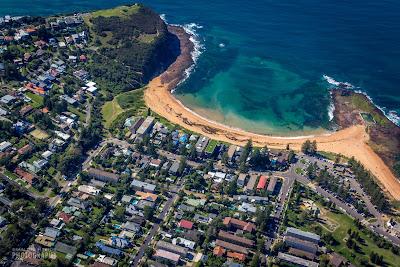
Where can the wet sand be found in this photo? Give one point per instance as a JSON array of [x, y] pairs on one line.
[[351, 142]]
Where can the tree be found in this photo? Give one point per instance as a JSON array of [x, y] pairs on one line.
[[231, 189], [291, 156], [255, 261], [225, 158], [182, 165], [309, 147], [148, 213]]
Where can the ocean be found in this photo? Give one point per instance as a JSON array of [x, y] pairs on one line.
[[260, 64]]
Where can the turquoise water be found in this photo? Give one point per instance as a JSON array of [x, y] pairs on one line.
[[262, 61]]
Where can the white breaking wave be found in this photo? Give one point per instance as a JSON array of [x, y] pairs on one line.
[[164, 17], [331, 109], [332, 81], [392, 115], [198, 48]]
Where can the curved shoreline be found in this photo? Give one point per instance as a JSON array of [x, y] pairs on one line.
[[351, 142]]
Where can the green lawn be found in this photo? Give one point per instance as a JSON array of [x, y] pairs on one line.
[[37, 100], [39, 134], [11, 175], [82, 117], [131, 99], [111, 110], [129, 103], [211, 146]]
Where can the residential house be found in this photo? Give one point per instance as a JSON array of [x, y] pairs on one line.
[[143, 186], [146, 126], [272, 184], [171, 257], [241, 241], [238, 224], [262, 182], [252, 182], [172, 248], [104, 176], [241, 181], [296, 260], [231, 247], [307, 236]]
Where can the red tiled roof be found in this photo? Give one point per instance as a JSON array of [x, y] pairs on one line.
[[219, 251], [186, 224], [246, 226], [28, 177], [236, 255], [24, 149], [65, 217], [262, 182]]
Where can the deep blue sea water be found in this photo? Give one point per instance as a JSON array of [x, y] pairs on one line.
[[262, 61]]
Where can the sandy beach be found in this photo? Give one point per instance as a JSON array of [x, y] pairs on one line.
[[351, 142]]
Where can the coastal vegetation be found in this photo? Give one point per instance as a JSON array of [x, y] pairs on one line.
[[129, 46]]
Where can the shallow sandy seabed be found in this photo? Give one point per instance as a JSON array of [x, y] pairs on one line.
[[351, 142]]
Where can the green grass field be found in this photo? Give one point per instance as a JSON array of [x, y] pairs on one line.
[[39, 134], [111, 110], [121, 11], [211, 146], [132, 99], [130, 102], [37, 100]]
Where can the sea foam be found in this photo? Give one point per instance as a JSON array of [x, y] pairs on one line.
[[198, 47], [392, 115]]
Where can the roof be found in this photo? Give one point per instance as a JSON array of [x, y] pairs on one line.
[[252, 182], [147, 196], [306, 235], [101, 173], [65, 217], [272, 184], [64, 248], [235, 239], [172, 248], [236, 255], [232, 247], [167, 255], [51, 232], [186, 224], [28, 177], [246, 226], [337, 260], [219, 251], [296, 260], [262, 182], [143, 185], [108, 249]]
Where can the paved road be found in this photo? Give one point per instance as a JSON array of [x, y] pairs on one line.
[[154, 230]]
